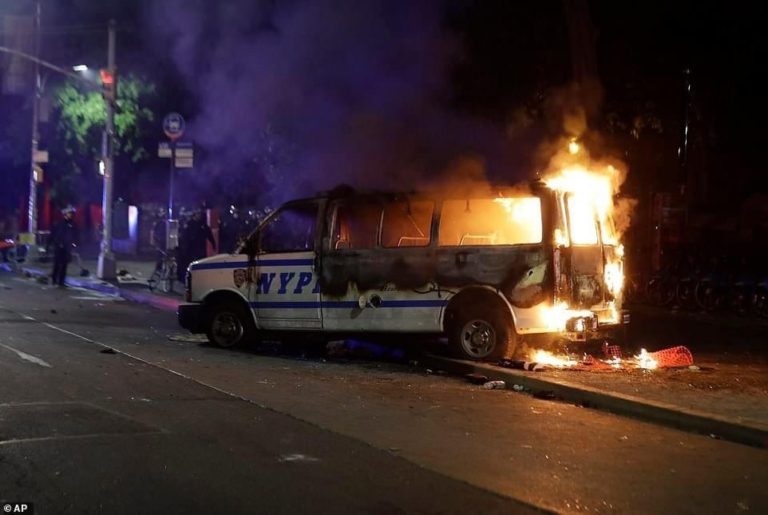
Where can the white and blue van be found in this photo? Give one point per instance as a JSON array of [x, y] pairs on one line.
[[483, 268]]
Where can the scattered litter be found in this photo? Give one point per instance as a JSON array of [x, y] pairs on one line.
[[476, 378], [624, 438], [494, 385], [518, 387], [108, 351], [531, 366], [429, 371], [714, 436], [742, 505], [694, 368]]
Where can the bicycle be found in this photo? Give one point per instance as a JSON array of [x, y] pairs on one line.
[[164, 274]]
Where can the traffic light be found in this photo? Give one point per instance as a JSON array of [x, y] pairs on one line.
[[109, 84]]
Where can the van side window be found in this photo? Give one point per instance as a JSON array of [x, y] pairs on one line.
[[407, 224], [291, 229], [356, 225], [499, 221]]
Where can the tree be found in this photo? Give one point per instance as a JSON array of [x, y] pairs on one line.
[[82, 117]]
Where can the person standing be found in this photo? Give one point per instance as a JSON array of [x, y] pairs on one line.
[[230, 230], [63, 240], [194, 238], [157, 238]]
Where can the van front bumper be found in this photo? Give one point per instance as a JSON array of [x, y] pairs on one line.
[[191, 316]]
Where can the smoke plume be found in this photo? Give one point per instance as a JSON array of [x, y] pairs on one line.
[[298, 96]]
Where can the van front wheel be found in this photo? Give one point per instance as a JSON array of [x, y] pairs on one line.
[[229, 325], [481, 334]]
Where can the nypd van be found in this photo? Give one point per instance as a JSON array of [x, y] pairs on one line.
[[483, 268]]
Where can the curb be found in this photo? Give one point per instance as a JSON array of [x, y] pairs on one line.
[[156, 301], [620, 404]]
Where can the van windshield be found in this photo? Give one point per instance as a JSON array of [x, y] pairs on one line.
[[489, 221]]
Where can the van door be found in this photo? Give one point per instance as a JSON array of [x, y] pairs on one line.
[[286, 294], [587, 253]]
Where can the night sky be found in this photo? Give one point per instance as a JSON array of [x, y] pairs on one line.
[[289, 97]]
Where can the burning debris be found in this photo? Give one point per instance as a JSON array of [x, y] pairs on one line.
[[673, 357]]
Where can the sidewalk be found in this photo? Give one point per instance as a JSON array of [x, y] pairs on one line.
[[131, 286], [723, 399]]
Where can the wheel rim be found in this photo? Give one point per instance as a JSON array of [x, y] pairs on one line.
[[226, 329], [478, 338]]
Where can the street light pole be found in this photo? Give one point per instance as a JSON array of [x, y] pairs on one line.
[[32, 205], [107, 266]]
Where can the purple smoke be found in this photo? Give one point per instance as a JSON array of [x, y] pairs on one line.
[[299, 96]]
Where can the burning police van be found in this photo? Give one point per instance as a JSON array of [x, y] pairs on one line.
[[484, 268]]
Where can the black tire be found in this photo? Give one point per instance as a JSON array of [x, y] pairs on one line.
[[481, 334], [229, 325]]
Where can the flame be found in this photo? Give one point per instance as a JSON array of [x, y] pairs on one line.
[[644, 360], [544, 357], [556, 316], [614, 277]]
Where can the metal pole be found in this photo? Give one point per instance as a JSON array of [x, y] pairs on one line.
[[32, 206], [107, 266], [170, 186]]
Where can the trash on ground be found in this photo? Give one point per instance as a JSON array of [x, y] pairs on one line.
[[494, 385], [476, 378]]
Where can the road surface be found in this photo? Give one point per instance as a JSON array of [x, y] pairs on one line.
[[166, 424]]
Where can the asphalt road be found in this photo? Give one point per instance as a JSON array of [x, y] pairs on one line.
[[166, 425]]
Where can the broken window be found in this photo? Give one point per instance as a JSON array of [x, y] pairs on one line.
[[356, 226], [292, 229], [500, 221], [407, 223]]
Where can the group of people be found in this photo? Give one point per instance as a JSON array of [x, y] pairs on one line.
[[194, 234]]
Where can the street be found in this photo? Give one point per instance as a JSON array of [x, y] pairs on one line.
[[168, 424]]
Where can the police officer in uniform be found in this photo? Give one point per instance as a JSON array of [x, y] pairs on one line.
[[63, 239]]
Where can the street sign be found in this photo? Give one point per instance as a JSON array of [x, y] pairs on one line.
[[173, 126], [41, 156], [184, 162], [164, 149], [185, 153]]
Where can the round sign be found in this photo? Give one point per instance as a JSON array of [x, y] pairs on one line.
[[173, 125]]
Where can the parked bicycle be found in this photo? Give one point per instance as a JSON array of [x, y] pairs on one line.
[[164, 275]]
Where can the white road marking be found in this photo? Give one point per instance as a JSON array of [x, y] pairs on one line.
[[16, 441], [106, 298], [288, 458], [27, 357]]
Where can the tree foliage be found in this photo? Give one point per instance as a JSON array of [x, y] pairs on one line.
[[82, 117]]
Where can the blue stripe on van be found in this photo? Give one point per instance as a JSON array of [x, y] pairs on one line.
[[244, 264], [347, 304]]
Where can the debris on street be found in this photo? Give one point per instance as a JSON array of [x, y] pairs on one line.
[[494, 385], [476, 378], [612, 360]]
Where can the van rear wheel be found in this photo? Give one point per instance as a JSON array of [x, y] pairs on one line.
[[229, 325], [478, 334]]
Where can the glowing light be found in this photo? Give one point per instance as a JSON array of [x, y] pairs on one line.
[[644, 360], [544, 357], [573, 147]]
